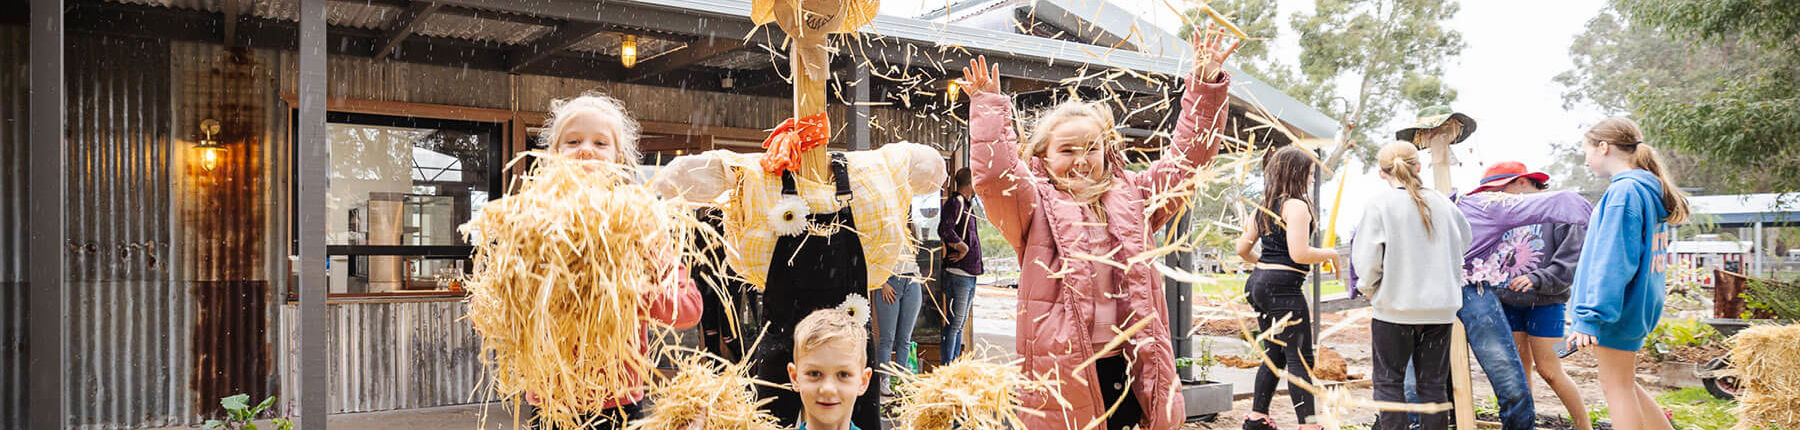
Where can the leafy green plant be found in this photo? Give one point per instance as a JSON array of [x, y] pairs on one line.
[[1205, 361], [1674, 333], [1778, 297], [239, 414]]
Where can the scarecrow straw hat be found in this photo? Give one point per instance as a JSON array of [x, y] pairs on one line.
[[1435, 116], [822, 16]]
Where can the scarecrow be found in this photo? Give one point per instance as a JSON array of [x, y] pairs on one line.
[[811, 229]]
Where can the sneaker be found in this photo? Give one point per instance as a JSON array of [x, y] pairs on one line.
[[1259, 424]]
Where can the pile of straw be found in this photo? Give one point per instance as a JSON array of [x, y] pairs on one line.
[[971, 392], [562, 268], [710, 388], [1767, 362]]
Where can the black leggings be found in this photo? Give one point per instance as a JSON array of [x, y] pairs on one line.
[[1427, 346], [1115, 381], [1276, 294]]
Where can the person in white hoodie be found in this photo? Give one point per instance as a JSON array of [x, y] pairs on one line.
[[1408, 252]]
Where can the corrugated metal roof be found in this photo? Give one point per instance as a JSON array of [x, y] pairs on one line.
[[1746, 209], [1745, 203], [1305, 119], [480, 29], [206, 5], [748, 58], [363, 15], [608, 44], [1709, 247]]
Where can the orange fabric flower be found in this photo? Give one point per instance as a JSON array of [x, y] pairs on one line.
[[792, 138]]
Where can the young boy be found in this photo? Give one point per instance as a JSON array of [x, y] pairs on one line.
[[829, 369]]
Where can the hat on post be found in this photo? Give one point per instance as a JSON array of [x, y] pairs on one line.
[[1434, 117]]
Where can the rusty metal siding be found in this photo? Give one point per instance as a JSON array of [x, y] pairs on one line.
[[227, 243], [124, 311], [397, 355], [14, 96]]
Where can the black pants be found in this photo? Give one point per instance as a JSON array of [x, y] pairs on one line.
[[1115, 381], [605, 419], [1428, 347], [1276, 294]]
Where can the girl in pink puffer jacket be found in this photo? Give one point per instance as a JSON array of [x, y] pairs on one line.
[[1064, 200]]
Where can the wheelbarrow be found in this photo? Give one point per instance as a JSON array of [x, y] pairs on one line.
[[1720, 381]]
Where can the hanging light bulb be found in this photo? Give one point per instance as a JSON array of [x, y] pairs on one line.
[[210, 150], [628, 50], [954, 91]]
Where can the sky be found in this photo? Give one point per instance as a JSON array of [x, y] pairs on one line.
[[1504, 80]]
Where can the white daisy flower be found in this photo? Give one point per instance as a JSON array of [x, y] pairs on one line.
[[857, 306], [788, 217]]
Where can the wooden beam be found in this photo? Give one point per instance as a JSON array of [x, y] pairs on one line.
[[404, 24], [231, 21], [560, 39], [410, 110], [695, 52]]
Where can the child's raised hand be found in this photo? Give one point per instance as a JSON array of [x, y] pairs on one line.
[[1210, 51], [981, 79]]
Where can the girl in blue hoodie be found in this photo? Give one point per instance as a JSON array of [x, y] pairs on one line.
[[1618, 290]]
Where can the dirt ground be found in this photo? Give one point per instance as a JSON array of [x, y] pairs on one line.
[[1349, 336]]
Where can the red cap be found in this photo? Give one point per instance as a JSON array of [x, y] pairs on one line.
[[1502, 173]]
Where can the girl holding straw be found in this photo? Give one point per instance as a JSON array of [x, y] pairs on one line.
[[1618, 291], [596, 128], [1274, 286], [1077, 219]]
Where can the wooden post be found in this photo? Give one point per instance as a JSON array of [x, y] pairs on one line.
[[1461, 394], [809, 99]]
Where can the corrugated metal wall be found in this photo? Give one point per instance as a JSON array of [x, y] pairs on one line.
[[224, 234], [124, 313], [14, 97], [394, 355]]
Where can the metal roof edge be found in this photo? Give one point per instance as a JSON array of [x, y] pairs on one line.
[[1304, 119]]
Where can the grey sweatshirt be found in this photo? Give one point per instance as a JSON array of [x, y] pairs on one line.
[[1411, 278], [1555, 269]]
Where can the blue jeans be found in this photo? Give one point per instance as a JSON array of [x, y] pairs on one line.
[[1490, 339], [896, 320], [960, 292]]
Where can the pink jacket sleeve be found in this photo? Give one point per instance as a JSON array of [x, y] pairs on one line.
[[1203, 114], [1000, 178], [679, 305]]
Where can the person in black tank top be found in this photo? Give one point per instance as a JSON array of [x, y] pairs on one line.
[[1274, 286]]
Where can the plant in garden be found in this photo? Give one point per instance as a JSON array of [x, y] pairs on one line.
[[1205, 361], [1781, 298], [1674, 333], [239, 414]]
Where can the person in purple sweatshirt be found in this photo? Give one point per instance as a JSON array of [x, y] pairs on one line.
[[1536, 263], [1491, 214], [962, 260]]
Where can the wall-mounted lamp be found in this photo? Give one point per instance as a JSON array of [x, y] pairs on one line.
[[628, 50], [211, 151], [953, 91]]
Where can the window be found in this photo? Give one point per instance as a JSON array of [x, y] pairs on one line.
[[398, 189]]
